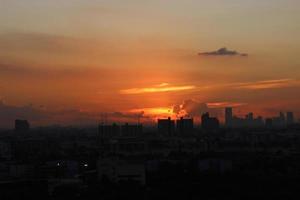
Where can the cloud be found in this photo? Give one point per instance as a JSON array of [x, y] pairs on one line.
[[192, 108], [225, 104], [268, 84], [164, 87], [154, 112], [223, 52], [163, 84]]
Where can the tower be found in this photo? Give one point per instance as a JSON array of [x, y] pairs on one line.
[[228, 116], [289, 118]]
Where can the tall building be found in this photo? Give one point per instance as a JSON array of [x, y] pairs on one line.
[[228, 116], [290, 118], [249, 116], [166, 126], [279, 122], [269, 123], [209, 123], [21, 125], [185, 126]]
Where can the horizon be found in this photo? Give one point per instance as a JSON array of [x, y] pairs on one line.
[[153, 122], [69, 62]]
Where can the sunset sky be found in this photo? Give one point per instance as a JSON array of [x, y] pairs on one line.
[[71, 61]]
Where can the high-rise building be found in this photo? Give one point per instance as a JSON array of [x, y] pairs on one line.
[[290, 118], [269, 123], [228, 116], [166, 126], [21, 125], [249, 116], [209, 123], [279, 121], [185, 126]]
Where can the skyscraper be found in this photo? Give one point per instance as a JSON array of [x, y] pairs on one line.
[[185, 126], [289, 118], [209, 123], [166, 126], [228, 116]]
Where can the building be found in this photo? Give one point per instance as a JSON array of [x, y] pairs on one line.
[[290, 118], [249, 116], [269, 123], [209, 123], [249, 121], [22, 125], [228, 116], [185, 126], [166, 126], [279, 121]]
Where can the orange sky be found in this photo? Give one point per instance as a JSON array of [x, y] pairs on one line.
[[73, 60]]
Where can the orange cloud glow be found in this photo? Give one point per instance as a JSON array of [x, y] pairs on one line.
[[154, 111], [224, 104], [268, 84], [164, 87]]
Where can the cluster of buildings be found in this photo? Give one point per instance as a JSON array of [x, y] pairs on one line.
[[114, 130], [185, 126], [281, 121], [54, 159], [169, 127]]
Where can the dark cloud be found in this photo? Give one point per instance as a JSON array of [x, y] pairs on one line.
[[223, 52]]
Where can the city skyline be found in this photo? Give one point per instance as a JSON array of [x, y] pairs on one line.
[[67, 62], [149, 99], [186, 124]]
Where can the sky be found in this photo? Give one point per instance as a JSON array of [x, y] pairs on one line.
[[79, 62]]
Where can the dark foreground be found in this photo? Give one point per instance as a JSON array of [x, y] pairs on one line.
[[68, 163]]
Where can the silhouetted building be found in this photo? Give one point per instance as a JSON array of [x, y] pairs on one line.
[[269, 123], [248, 122], [228, 116], [209, 123], [166, 126], [108, 131], [249, 116], [282, 117], [21, 125], [290, 118], [128, 130], [258, 122], [185, 126], [279, 122]]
